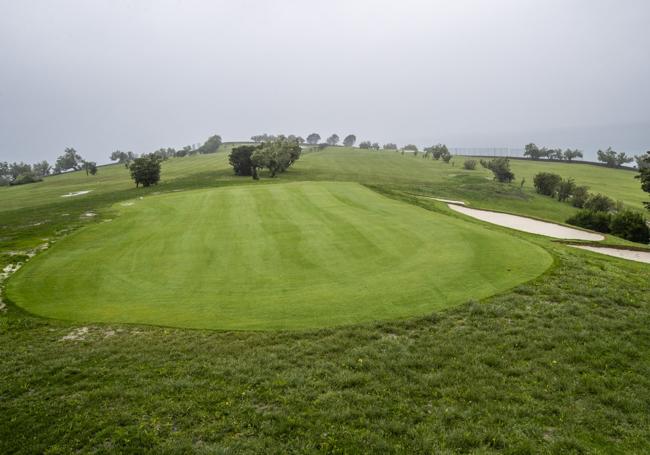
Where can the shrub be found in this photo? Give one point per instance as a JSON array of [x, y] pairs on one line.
[[580, 196], [27, 177], [599, 203], [500, 167], [470, 165], [597, 221], [546, 183], [565, 189], [631, 226]]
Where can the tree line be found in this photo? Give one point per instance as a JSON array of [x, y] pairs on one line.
[[22, 173], [609, 157]]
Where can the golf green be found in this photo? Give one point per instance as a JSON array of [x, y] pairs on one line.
[[280, 256]]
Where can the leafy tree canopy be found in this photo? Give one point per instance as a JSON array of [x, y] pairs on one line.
[[145, 170]]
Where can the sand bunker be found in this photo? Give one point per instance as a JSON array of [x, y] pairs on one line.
[[76, 193], [632, 255], [448, 201], [530, 225]]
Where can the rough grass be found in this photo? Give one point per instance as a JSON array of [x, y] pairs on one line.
[[298, 255], [558, 365]]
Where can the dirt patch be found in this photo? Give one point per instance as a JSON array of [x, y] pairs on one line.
[[631, 255], [76, 335], [521, 223]]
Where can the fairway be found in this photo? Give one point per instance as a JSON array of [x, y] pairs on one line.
[[284, 256]]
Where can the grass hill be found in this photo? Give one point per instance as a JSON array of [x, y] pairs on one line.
[[551, 363]]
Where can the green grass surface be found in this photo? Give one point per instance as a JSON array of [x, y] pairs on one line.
[[558, 365], [298, 255]]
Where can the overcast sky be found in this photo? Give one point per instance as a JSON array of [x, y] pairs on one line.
[[138, 75]]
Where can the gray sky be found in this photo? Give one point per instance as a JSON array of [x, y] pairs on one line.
[[100, 75]]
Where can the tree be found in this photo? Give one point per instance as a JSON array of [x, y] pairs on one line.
[[546, 183], [375, 146], [644, 175], [313, 138], [298, 139], [437, 151], [211, 145], [390, 146], [532, 151], [333, 139], [145, 170], [631, 226], [445, 156], [500, 167], [365, 145], [90, 167], [613, 159], [276, 156], [411, 147], [240, 160], [42, 169], [580, 196], [555, 154], [5, 175], [565, 189], [69, 160], [570, 155], [599, 203], [349, 140], [16, 169]]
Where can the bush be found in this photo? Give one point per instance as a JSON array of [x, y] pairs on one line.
[[631, 226], [27, 177], [546, 183], [599, 203], [596, 221], [565, 189], [470, 165], [500, 167], [580, 196]]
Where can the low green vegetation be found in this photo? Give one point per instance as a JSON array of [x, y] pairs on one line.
[[296, 255], [559, 364]]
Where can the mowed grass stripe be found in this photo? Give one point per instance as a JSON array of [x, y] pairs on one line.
[[285, 256]]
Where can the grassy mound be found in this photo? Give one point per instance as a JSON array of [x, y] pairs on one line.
[[297, 255]]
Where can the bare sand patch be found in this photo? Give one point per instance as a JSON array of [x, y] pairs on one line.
[[448, 201], [631, 255], [530, 225], [76, 193]]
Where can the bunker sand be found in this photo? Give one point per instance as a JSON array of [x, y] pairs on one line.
[[530, 225]]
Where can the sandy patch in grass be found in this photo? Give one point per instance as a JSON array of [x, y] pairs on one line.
[[631, 255], [76, 193], [127, 204], [448, 201], [521, 223], [76, 335], [89, 214]]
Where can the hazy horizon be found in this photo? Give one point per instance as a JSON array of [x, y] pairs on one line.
[[105, 75]]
